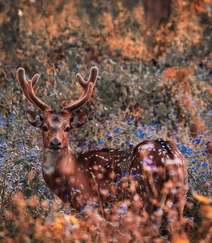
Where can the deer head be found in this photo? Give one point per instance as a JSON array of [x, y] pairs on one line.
[[54, 125]]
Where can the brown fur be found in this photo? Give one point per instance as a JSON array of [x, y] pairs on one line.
[[96, 176]]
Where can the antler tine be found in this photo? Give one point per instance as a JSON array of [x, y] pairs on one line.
[[93, 74], [35, 79], [27, 87], [81, 80], [88, 87], [40, 104], [21, 77], [92, 77]]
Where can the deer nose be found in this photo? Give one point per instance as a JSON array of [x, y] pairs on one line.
[[55, 144]]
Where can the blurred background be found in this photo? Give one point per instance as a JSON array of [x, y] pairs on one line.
[[154, 60]]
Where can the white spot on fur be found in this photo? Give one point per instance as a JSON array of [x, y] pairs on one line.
[[148, 146], [175, 161]]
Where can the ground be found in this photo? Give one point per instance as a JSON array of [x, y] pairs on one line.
[[154, 81]]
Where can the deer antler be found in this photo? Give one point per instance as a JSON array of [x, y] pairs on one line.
[[88, 87], [27, 87]]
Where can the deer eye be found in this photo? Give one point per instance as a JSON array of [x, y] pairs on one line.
[[41, 118], [71, 119], [45, 128], [67, 129]]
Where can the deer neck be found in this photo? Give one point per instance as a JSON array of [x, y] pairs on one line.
[[62, 173], [62, 161]]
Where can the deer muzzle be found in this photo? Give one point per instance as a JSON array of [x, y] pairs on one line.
[[55, 144]]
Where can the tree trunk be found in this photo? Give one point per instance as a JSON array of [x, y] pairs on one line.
[[157, 11]]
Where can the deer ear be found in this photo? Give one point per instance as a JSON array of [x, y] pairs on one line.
[[34, 119], [71, 120], [81, 118]]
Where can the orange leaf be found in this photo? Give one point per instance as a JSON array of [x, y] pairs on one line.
[[201, 198], [208, 1], [199, 8], [170, 73], [177, 73], [180, 238], [206, 211]]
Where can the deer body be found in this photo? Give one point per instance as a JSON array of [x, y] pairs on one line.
[[78, 179], [157, 165], [164, 181]]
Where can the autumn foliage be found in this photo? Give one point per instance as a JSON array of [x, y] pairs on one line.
[[154, 82]]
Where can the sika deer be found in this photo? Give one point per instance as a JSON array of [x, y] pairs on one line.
[[158, 165]]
